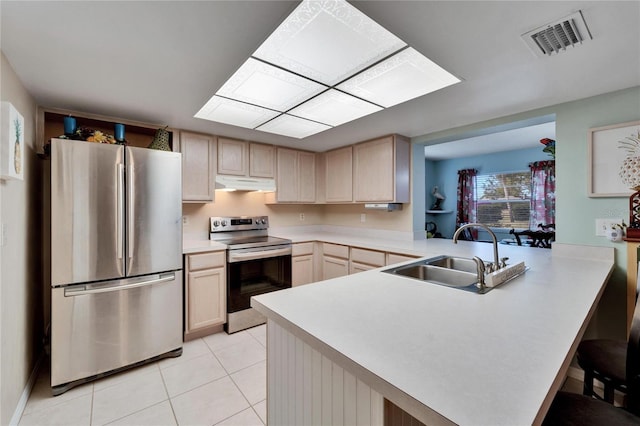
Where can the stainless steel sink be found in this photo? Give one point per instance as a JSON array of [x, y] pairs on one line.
[[451, 262], [458, 272], [450, 271], [438, 275]]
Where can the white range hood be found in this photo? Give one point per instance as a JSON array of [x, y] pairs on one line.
[[242, 183], [389, 207]]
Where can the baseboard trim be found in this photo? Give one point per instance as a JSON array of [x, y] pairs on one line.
[[24, 397]]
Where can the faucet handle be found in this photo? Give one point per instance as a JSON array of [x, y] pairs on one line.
[[503, 262]]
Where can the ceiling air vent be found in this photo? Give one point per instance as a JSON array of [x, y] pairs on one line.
[[555, 37]]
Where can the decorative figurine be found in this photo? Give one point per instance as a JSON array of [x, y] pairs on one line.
[[439, 198], [633, 230]]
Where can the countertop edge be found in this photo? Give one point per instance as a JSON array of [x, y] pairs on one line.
[[411, 405]]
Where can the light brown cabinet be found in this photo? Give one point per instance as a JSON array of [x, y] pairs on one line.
[[198, 167], [364, 260], [295, 176], [393, 258], [381, 170], [262, 160], [302, 264], [205, 293], [339, 175], [232, 157], [335, 261], [240, 158]]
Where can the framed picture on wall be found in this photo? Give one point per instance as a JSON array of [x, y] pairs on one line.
[[12, 141], [614, 160]]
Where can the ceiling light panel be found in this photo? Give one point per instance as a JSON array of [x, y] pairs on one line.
[[402, 77], [334, 108], [328, 41], [262, 84], [235, 113], [294, 127]]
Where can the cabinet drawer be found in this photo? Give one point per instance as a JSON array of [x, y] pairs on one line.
[[368, 257], [300, 249], [335, 250], [213, 259], [393, 258]]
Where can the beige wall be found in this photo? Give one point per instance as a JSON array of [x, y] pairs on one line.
[[247, 204], [283, 215], [20, 279]]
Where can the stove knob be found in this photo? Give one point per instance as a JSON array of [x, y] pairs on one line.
[[263, 221], [216, 223], [224, 223]]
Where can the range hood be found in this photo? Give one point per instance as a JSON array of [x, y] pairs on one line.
[[242, 183], [384, 206]]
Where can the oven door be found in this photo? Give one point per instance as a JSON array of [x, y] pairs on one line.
[[255, 271]]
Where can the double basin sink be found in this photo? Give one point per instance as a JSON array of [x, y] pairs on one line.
[[457, 272]]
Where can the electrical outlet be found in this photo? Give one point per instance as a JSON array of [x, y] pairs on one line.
[[185, 220], [605, 223], [363, 218], [301, 216]]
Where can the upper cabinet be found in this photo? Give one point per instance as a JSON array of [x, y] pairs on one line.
[[262, 160], [240, 158], [198, 167], [339, 175], [295, 176], [232, 157], [381, 170]]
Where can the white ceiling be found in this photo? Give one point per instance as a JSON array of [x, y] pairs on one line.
[[161, 61], [507, 140]]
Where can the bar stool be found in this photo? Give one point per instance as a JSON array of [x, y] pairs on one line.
[[581, 410], [604, 360]]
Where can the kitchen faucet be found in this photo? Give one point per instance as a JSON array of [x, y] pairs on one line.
[[497, 262]]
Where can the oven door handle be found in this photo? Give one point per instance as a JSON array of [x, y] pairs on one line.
[[262, 254]]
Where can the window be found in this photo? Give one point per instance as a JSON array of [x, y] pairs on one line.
[[504, 199]]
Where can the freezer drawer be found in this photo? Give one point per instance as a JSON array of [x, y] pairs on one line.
[[99, 327]]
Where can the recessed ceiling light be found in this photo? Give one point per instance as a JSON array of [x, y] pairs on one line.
[[323, 46], [233, 112], [402, 77], [294, 127], [334, 108], [265, 85]]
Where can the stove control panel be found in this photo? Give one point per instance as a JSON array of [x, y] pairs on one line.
[[241, 223]]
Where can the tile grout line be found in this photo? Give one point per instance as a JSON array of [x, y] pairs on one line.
[[164, 383]]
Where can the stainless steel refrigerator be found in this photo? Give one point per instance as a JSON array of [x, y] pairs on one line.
[[116, 259]]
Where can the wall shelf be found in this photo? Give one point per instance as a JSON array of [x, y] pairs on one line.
[[439, 211]]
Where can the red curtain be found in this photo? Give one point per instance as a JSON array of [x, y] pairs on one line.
[[467, 206], [543, 193]]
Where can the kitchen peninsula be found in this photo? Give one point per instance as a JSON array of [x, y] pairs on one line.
[[337, 348]]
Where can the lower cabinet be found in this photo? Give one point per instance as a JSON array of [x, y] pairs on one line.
[[393, 258], [335, 261], [363, 260], [205, 293], [302, 264]]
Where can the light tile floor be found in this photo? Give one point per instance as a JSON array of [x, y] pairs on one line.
[[218, 380]]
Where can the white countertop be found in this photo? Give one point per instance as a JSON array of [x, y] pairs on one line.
[[195, 245], [485, 359]]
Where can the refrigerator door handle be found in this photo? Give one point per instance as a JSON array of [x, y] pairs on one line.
[[131, 216], [70, 291], [120, 211]]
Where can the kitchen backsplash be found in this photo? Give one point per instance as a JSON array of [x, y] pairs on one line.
[[285, 215]]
